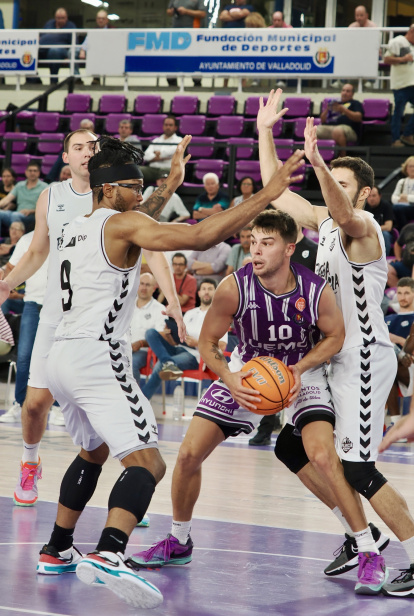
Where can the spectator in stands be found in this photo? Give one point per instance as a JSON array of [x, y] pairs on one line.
[[16, 231], [255, 20], [342, 120], [399, 326], [59, 22], [247, 187], [185, 283], [362, 19], [233, 15], [211, 262], [212, 199], [103, 23], [159, 153], [126, 134], [186, 14], [383, 213], [175, 210], [65, 173], [278, 21], [400, 55], [8, 181], [148, 314], [173, 359], [22, 198], [239, 253], [402, 266], [403, 196]]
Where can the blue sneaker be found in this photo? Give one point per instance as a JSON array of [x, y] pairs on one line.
[[110, 569], [52, 562], [169, 551]]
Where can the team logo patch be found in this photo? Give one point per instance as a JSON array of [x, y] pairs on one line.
[[322, 57], [147, 316], [222, 396], [300, 304], [298, 318], [346, 445], [305, 254]]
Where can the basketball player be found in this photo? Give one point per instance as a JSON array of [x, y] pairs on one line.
[[351, 257], [56, 206], [279, 309], [104, 409]]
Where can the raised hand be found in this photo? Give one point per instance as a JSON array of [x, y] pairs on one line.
[[268, 114], [179, 161], [311, 144]]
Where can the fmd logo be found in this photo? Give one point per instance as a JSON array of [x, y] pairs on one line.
[[159, 40]]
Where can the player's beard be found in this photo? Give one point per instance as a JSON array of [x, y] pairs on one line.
[[120, 204]]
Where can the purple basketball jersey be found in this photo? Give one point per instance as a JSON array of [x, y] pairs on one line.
[[282, 326]]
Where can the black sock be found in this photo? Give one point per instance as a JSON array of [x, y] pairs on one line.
[[112, 540], [61, 538]]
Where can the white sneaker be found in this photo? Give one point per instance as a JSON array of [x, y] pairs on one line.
[[56, 416], [13, 414]]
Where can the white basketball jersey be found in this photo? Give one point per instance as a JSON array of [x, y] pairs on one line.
[[98, 298], [64, 205], [358, 287]]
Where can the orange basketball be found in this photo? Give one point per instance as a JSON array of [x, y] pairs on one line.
[[273, 380]]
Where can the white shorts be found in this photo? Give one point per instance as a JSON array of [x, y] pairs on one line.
[[99, 397], [360, 380], [45, 337], [314, 400]]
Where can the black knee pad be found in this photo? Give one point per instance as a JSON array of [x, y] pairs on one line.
[[133, 491], [363, 477], [289, 449], [79, 483]]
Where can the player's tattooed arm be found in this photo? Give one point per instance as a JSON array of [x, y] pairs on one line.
[[218, 353], [154, 205]]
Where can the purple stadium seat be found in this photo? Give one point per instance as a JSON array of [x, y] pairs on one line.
[[78, 103], [19, 163], [250, 168], [112, 121], [297, 108], [48, 160], [299, 127], [327, 149], [230, 126], [112, 103], [76, 119], [376, 110], [203, 166], [242, 152], [193, 125], [251, 106], [46, 122], [221, 105], [50, 143], [201, 147], [148, 103], [19, 141], [284, 148], [185, 105], [152, 124]]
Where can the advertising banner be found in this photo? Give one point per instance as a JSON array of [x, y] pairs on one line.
[[18, 51]]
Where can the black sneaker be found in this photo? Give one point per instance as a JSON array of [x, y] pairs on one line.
[[402, 586], [260, 439], [347, 555]]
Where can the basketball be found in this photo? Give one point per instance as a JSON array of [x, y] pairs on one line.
[[273, 380]]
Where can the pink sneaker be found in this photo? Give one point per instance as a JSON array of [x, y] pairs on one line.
[[372, 573], [25, 493]]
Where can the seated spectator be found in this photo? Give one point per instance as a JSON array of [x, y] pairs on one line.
[[59, 22], [173, 359], [175, 210], [402, 266], [342, 120], [212, 199], [65, 173], [20, 203], [16, 231], [233, 15], [8, 181], [148, 314], [185, 283], [159, 153], [403, 196], [240, 253], [247, 187], [211, 262], [125, 129], [383, 213]]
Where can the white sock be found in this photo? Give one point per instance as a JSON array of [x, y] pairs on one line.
[[365, 541], [181, 531], [30, 453], [408, 546], [336, 511]]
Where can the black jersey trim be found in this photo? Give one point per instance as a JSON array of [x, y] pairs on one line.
[[79, 194]]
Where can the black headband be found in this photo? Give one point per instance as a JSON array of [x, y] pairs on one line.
[[105, 175]]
